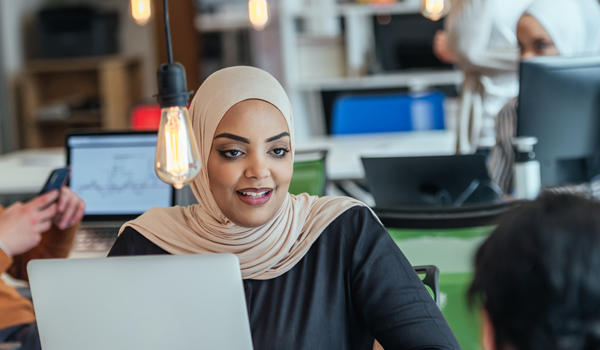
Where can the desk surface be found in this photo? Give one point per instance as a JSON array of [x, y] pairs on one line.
[[24, 172], [345, 151]]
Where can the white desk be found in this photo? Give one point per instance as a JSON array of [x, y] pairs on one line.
[[344, 152], [24, 172]]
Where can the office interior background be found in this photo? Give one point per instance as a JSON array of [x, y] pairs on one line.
[[91, 65]]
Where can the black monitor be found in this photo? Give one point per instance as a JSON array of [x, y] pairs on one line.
[[559, 103], [406, 42]]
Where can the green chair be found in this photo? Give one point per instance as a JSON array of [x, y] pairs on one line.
[[448, 239], [309, 173]]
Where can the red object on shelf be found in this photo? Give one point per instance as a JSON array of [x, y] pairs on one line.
[[145, 117]]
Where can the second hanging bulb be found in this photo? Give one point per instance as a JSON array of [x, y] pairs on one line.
[[435, 9]]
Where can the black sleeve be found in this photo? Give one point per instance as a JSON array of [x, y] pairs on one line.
[[131, 242], [388, 294]]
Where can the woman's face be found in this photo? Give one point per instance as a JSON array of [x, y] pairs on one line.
[[533, 39], [250, 165]]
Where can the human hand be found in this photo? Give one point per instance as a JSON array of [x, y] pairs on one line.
[[442, 49], [21, 225], [70, 209]]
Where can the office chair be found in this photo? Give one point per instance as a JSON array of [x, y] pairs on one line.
[[310, 173], [388, 113], [431, 280]]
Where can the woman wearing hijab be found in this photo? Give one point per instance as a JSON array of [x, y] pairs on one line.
[[480, 38], [547, 28], [319, 273]]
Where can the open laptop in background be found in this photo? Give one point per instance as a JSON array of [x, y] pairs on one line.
[[184, 302], [113, 172], [430, 182]]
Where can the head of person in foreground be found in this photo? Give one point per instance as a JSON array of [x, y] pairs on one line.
[[537, 277]]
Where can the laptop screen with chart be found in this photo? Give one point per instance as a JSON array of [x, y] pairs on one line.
[[114, 174]]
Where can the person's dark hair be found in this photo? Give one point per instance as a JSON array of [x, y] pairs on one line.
[[538, 275]]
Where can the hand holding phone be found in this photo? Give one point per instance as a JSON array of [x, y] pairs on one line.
[[57, 179]]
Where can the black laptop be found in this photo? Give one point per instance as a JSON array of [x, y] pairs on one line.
[[439, 181]]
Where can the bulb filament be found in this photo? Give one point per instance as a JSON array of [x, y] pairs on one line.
[[176, 144]]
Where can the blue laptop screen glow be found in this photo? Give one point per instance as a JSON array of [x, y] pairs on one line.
[[114, 174]]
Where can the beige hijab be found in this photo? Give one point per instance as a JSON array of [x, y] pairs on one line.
[[264, 252]]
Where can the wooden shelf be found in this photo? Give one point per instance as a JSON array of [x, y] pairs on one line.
[[397, 8], [76, 118], [115, 81], [411, 79]]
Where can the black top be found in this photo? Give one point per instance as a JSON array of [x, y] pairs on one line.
[[353, 284]]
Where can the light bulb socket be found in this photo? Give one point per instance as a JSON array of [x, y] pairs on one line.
[[172, 86]]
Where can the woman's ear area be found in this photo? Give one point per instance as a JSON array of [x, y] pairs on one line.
[[488, 333]]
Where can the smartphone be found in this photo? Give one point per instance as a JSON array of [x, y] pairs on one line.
[[57, 179]]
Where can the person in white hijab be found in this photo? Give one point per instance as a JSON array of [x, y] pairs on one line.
[[319, 273], [480, 39], [547, 28]]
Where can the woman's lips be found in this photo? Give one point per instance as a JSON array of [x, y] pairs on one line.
[[255, 196]]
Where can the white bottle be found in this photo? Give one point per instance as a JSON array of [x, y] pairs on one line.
[[526, 172]]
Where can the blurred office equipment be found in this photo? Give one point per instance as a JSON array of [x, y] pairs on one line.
[[141, 302], [310, 173], [307, 35], [145, 117], [407, 42], [559, 104], [73, 31], [451, 181], [113, 172], [388, 113], [99, 91], [447, 238]]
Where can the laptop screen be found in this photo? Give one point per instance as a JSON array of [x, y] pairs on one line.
[[114, 173]]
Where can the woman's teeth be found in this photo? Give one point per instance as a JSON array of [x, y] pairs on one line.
[[255, 194]]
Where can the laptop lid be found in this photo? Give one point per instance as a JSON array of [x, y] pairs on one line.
[[113, 172], [430, 181], [145, 302]]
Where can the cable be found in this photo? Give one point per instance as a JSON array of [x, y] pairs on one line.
[[167, 30]]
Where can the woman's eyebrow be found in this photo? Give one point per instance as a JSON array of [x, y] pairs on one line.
[[277, 137], [233, 137]]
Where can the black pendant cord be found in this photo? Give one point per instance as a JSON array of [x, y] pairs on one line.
[[167, 30]]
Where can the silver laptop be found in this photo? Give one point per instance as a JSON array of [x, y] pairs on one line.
[[144, 302], [113, 172]]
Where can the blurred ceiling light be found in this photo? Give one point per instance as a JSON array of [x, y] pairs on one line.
[[258, 13], [141, 11], [384, 18], [435, 9]]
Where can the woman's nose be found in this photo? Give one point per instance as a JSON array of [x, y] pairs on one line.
[[257, 167]]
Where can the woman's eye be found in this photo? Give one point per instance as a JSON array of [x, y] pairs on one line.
[[543, 46], [231, 153], [279, 152]]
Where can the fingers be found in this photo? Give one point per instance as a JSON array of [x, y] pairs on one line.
[[70, 209], [65, 196], [43, 200], [67, 217]]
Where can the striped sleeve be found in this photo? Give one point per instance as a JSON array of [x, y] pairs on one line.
[[502, 156]]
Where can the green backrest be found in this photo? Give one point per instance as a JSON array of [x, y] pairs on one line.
[[452, 251], [309, 176]]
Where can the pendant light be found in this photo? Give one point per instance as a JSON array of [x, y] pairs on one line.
[[258, 13], [435, 9], [176, 161]]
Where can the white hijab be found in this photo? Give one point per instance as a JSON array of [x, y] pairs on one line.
[[573, 25], [264, 252]]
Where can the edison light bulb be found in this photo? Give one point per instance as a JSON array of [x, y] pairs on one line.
[[177, 160], [435, 9], [141, 11], [258, 13]]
